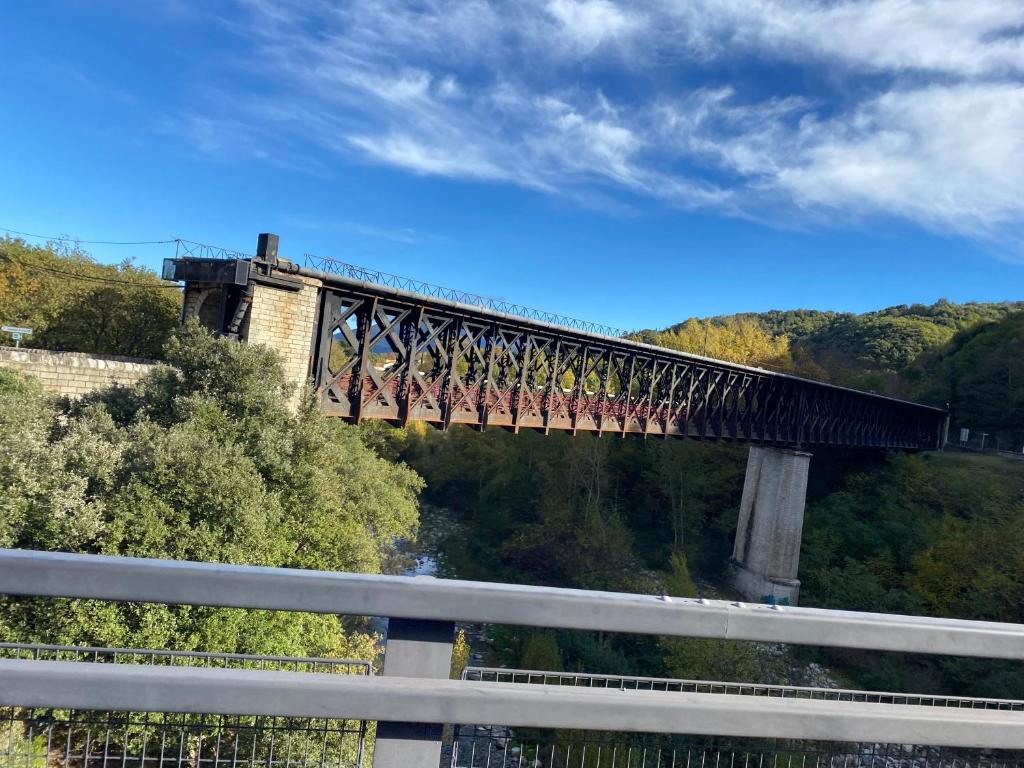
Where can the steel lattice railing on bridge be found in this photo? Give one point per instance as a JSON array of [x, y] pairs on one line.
[[495, 747], [475, 746], [98, 708]]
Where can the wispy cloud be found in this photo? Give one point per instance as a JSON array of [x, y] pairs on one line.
[[403, 235], [896, 108]]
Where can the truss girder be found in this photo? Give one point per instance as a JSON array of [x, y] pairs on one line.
[[389, 356]]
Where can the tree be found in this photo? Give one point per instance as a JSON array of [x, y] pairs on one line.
[[72, 303], [704, 658], [737, 339], [202, 461]]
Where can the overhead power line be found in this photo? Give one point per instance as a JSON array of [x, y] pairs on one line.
[[80, 276], [66, 239]]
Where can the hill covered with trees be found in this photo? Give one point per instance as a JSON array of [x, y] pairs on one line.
[[966, 355], [76, 304]]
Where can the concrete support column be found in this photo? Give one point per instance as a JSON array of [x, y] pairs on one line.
[[766, 557], [414, 648]]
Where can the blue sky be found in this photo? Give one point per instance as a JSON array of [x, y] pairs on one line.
[[631, 163]]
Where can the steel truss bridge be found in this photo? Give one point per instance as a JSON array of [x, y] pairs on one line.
[[384, 352], [80, 707]]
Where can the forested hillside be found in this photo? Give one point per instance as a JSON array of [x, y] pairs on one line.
[[966, 355], [75, 304]]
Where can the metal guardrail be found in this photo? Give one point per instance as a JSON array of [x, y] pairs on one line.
[[425, 598], [413, 698], [126, 687], [151, 656], [637, 683], [189, 249], [49, 737]]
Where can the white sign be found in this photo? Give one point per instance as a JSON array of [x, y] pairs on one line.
[[16, 333]]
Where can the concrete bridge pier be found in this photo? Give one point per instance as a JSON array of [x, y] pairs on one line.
[[767, 552]]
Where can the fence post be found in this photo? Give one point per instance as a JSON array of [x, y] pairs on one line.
[[415, 648]]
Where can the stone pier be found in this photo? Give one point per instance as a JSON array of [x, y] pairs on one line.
[[767, 552], [262, 301]]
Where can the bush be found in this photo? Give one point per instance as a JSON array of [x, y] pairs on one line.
[[202, 461]]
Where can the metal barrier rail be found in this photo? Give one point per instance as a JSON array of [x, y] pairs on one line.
[[98, 654], [44, 738], [100, 577], [486, 747], [376, 276], [414, 697], [124, 687], [637, 683]]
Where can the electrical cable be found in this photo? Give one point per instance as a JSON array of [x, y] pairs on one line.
[[66, 239], [80, 276]]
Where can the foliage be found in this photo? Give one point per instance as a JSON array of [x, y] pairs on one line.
[[579, 511], [73, 303], [694, 658], [541, 651], [740, 340], [460, 655], [981, 375], [936, 535], [203, 461]]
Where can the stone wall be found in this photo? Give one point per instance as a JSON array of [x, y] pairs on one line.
[[74, 373], [285, 320]]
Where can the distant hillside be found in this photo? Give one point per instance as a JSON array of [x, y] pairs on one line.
[[980, 373], [889, 339], [968, 355]]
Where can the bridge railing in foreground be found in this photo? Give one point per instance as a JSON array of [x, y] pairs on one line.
[[45, 737], [414, 699], [637, 683]]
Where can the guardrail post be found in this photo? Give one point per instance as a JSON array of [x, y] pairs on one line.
[[414, 648]]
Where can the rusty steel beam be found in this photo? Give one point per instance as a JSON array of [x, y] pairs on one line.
[[384, 353]]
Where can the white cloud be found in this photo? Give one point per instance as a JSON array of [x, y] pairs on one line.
[[586, 24], [973, 38], [915, 109], [440, 159], [949, 156]]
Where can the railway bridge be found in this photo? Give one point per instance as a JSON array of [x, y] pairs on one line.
[[376, 346]]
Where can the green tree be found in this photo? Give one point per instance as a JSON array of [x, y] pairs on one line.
[[541, 651], [73, 303], [202, 461], [739, 340], [694, 658]]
